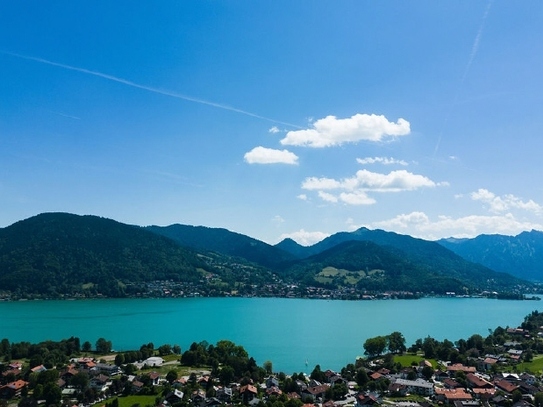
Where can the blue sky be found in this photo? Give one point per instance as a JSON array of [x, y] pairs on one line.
[[275, 118]]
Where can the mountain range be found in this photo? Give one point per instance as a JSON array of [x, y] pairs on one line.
[[61, 254]]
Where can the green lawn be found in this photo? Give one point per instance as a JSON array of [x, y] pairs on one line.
[[408, 358], [534, 367], [129, 401]]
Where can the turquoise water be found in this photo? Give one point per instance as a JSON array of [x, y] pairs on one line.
[[288, 332]]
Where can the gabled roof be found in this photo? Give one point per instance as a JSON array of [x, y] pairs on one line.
[[506, 385]]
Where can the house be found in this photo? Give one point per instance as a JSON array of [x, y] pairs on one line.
[[505, 385], [153, 361], [484, 394], [467, 403], [419, 386], [174, 396], [314, 393], [451, 384], [363, 400], [248, 392], [397, 389], [13, 389], [272, 381], [100, 383], [475, 381], [155, 378], [137, 386], [273, 391], [211, 402], [452, 369], [38, 369], [198, 396], [449, 396], [224, 394], [487, 363]]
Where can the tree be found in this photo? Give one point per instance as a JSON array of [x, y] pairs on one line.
[[396, 343], [86, 346], [538, 399], [119, 359], [361, 377], [52, 393], [103, 346], [171, 376], [164, 350], [268, 367], [375, 346], [427, 372], [80, 380]]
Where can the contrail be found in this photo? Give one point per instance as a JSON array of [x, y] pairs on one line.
[[474, 49], [475, 46], [148, 88]]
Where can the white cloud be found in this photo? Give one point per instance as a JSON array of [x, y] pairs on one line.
[[331, 131], [355, 188], [380, 160], [302, 197], [305, 238], [278, 219], [263, 155], [418, 224], [356, 198], [325, 196], [500, 204], [274, 130]]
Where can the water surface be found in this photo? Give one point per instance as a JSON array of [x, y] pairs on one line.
[[288, 332]]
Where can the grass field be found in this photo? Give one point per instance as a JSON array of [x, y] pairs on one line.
[[142, 401], [407, 359], [534, 367]]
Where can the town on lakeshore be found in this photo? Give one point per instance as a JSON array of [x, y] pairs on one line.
[[503, 369]]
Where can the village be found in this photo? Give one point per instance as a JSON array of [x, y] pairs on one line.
[[224, 375]]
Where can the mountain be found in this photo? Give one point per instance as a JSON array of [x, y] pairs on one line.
[[225, 242], [56, 254], [425, 254], [378, 260], [520, 256], [63, 253]]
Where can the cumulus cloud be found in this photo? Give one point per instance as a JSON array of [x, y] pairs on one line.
[[325, 196], [500, 204], [263, 155], [274, 130], [380, 160], [331, 131], [305, 238], [302, 197], [353, 190], [418, 224]]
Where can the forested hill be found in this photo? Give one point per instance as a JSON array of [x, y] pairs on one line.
[[365, 265], [55, 254], [225, 242], [521, 255], [63, 253]]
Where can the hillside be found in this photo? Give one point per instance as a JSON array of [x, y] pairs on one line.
[[63, 253], [520, 256], [427, 257], [225, 242], [367, 266], [57, 254]]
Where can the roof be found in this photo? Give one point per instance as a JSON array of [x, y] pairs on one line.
[[249, 387], [453, 394]]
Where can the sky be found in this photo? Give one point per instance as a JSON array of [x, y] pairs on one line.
[[275, 118]]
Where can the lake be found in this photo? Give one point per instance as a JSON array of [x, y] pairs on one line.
[[287, 332]]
